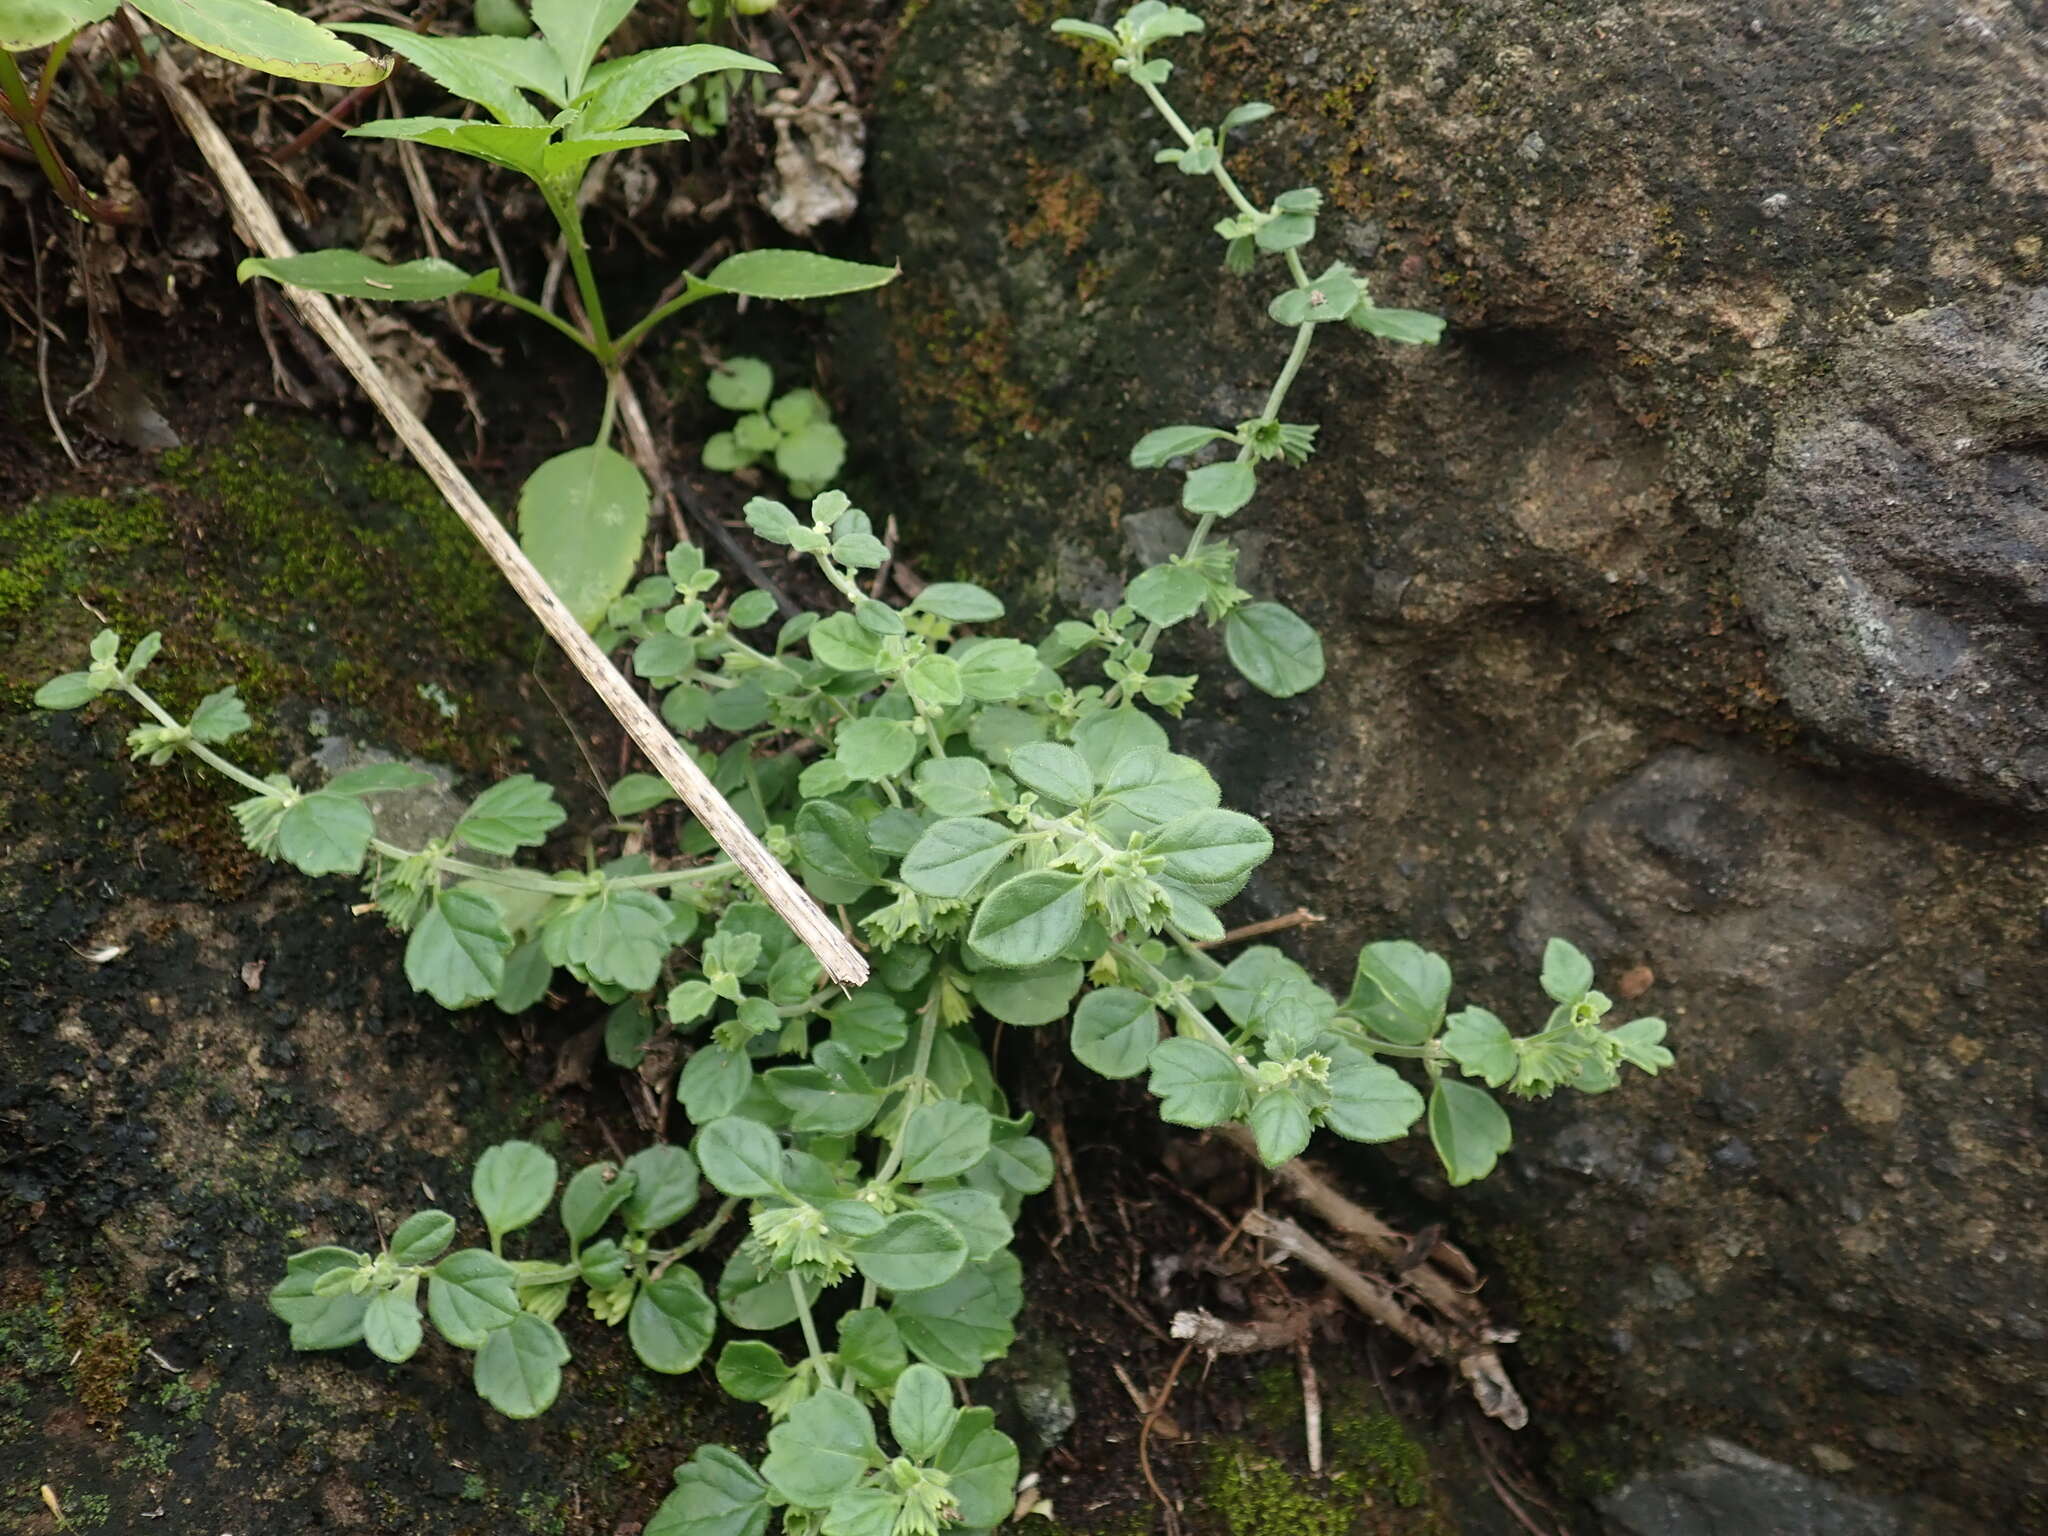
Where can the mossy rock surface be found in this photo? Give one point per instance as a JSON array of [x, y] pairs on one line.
[[1684, 603], [207, 1062]]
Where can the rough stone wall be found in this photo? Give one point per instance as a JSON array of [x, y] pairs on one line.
[[1689, 602]]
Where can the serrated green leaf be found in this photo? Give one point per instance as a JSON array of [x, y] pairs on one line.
[[391, 1322], [1400, 991], [874, 748], [576, 30], [664, 1190], [976, 1215], [913, 1252], [921, 1412], [1211, 847], [1196, 1084], [1369, 1100], [713, 1082], [960, 601], [69, 691], [519, 147], [326, 834], [794, 275], [821, 1449], [514, 813], [1411, 327], [519, 1367], [592, 1195], [1567, 973], [457, 950], [490, 71], [1105, 738], [1115, 1030], [814, 452], [1157, 786], [980, 1463], [266, 37], [1641, 1044], [968, 1321], [351, 274], [1159, 447], [1280, 1125], [620, 90], [1167, 594], [378, 779], [470, 1294], [672, 1321], [638, 792], [740, 1157], [1028, 919], [1028, 997], [1478, 1042], [953, 857], [716, 1494], [944, 1139], [1277, 651], [1057, 772], [319, 1320], [993, 671], [621, 939], [422, 1236], [1218, 490]]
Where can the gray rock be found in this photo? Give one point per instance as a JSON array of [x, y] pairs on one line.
[[1899, 558], [1700, 864], [1536, 555], [1720, 1489]]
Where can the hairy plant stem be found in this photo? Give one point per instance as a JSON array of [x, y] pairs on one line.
[[1304, 335], [927, 1033], [810, 1326], [447, 864]]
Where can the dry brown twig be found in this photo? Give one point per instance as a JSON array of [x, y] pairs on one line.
[[1300, 917], [259, 227], [1443, 1279]]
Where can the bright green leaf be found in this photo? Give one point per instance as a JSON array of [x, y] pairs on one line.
[[1028, 919], [1115, 1030], [672, 1321], [794, 275], [913, 1252], [266, 37], [457, 949], [821, 1449], [1468, 1128], [519, 1367], [326, 834], [582, 521], [1276, 651], [1400, 991], [1196, 1084]]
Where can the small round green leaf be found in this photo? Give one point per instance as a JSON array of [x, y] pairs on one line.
[[512, 1184], [672, 1321]]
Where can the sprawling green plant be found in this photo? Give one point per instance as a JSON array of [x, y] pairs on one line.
[[582, 514], [250, 32], [793, 431], [1007, 827]]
